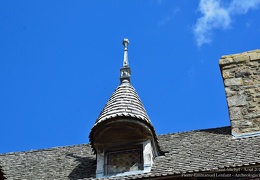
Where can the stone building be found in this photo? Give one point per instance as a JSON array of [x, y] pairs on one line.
[[124, 144]]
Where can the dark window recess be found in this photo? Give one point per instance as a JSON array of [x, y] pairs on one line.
[[124, 161]]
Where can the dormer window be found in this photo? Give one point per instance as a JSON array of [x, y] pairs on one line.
[[124, 161]]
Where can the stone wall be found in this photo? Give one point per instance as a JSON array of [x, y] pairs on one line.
[[241, 76]]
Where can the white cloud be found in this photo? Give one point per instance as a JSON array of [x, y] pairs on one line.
[[243, 6], [217, 15]]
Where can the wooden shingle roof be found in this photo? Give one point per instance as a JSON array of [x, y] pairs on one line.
[[210, 150], [124, 103]]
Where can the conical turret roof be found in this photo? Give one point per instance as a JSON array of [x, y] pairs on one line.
[[124, 102]]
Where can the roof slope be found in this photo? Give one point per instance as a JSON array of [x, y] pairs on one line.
[[124, 102], [71, 162], [187, 152]]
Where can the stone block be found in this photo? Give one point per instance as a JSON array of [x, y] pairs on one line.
[[255, 56], [235, 113], [240, 58], [233, 81], [257, 89], [249, 129], [252, 64], [224, 60], [245, 123], [229, 92], [235, 130], [256, 122], [242, 73], [252, 115], [244, 111], [228, 66], [228, 74], [249, 92], [237, 100], [255, 78]]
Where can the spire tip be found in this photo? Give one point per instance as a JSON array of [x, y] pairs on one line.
[[125, 70], [125, 42]]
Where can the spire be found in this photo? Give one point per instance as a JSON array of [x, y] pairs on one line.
[[124, 119], [125, 70]]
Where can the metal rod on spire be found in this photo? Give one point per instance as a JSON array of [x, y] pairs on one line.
[[125, 70], [125, 43]]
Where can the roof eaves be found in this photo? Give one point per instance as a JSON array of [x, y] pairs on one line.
[[172, 175], [137, 118]]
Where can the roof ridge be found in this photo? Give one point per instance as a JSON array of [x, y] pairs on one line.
[[45, 149], [196, 130]]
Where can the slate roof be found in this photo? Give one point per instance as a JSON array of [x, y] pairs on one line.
[[124, 102], [186, 152]]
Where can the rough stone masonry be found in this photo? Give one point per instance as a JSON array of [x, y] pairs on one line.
[[241, 76]]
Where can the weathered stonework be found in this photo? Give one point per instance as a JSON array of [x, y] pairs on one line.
[[241, 77]]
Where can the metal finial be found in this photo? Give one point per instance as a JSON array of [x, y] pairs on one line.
[[125, 70], [125, 43]]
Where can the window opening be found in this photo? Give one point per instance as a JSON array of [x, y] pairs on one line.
[[124, 161]]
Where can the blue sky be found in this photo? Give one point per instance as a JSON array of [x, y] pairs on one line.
[[60, 61]]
